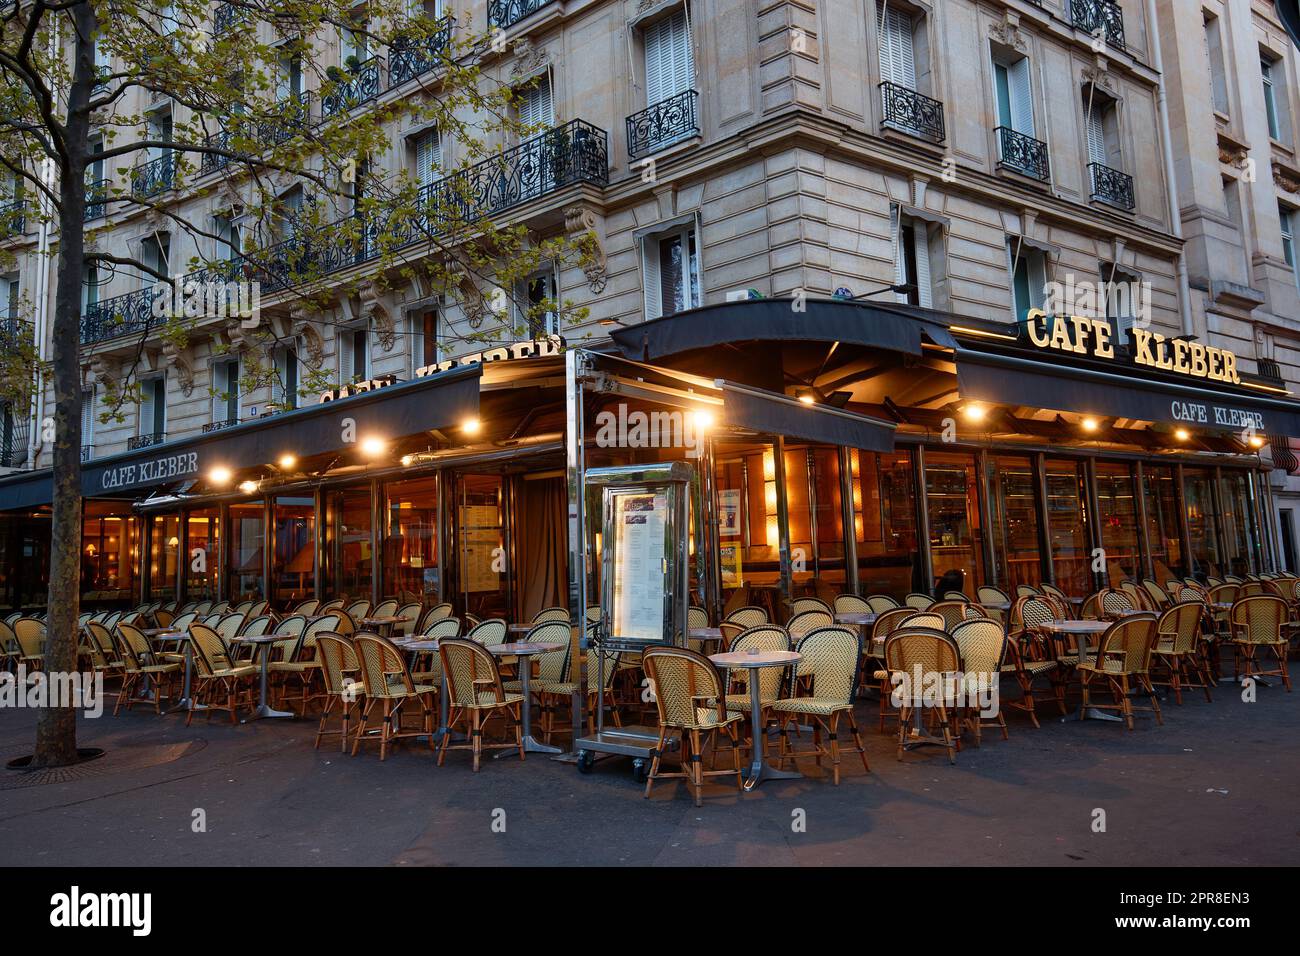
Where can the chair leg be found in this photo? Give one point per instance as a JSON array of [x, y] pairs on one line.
[[361, 727], [1145, 681], [324, 718], [697, 768], [857, 739], [476, 734], [654, 760], [835, 748]]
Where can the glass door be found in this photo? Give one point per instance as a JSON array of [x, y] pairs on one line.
[[1067, 524], [1202, 523], [245, 546], [203, 554], [483, 582], [1118, 519], [952, 500], [1238, 527], [293, 560], [812, 481], [884, 519], [348, 545], [749, 534], [164, 545], [1164, 531], [1014, 522]]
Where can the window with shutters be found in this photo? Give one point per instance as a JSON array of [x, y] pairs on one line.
[[670, 264], [427, 148], [229, 241], [87, 423], [1287, 216], [912, 259], [1027, 267], [1015, 94], [89, 286], [155, 254], [536, 301], [225, 391], [895, 31], [424, 338], [1215, 64], [152, 418], [285, 387], [288, 76], [353, 355], [1120, 289], [1277, 108], [669, 59], [9, 297], [1101, 125], [535, 107]]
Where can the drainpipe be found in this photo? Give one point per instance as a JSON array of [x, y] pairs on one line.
[[1167, 148]]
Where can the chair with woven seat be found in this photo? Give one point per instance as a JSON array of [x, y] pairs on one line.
[[302, 667], [799, 605], [306, 608], [918, 600], [696, 617], [952, 612], [1123, 661], [982, 643], [1141, 601], [748, 616], [433, 614], [552, 667], [389, 683], [385, 608], [808, 621], [29, 633], [1032, 653], [1027, 590], [690, 702], [104, 655], [851, 604], [475, 694], [492, 631], [1178, 648], [1159, 596], [930, 656], [334, 604], [411, 612], [1259, 622], [730, 631], [880, 603], [763, 637], [341, 673], [551, 614], [1091, 609], [426, 667], [828, 667], [1051, 590], [555, 694], [217, 676], [140, 666], [358, 609]]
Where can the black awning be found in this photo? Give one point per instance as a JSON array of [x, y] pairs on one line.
[[775, 414], [407, 408], [1008, 380], [896, 329], [1288, 11]]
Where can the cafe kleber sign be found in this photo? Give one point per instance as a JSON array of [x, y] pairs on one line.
[[150, 472]]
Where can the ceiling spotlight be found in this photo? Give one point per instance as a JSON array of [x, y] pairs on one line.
[[1089, 424], [287, 462], [248, 487], [807, 398], [975, 413], [1256, 441], [703, 420], [373, 447], [406, 460], [220, 475], [471, 426], [1182, 434]]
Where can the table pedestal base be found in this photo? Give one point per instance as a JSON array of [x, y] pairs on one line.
[[1091, 713], [531, 745], [760, 770], [264, 710]]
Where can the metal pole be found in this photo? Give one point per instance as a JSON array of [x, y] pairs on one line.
[[848, 518], [1144, 538], [1184, 526], [986, 519], [922, 519], [376, 542], [268, 545], [1047, 563], [786, 594], [708, 552], [318, 505], [574, 466], [223, 547], [1100, 579], [1216, 498]]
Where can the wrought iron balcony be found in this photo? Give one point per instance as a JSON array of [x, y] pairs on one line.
[[353, 86], [120, 315], [1023, 154], [1112, 187], [409, 58], [154, 177], [212, 162], [96, 199], [1100, 16], [293, 114], [13, 218], [145, 441], [87, 452], [226, 17], [911, 112], [14, 332], [659, 126], [15, 426], [506, 13], [217, 426]]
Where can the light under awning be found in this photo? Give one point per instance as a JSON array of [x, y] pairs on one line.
[[771, 413]]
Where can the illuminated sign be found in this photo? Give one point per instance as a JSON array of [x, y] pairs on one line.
[[151, 472], [1095, 337]]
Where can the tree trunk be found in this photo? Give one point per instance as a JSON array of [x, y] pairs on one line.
[[56, 728]]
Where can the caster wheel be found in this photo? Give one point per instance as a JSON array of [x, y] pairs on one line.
[[640, 770], [586, 761]]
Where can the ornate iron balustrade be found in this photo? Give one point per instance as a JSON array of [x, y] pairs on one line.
[[1112, 187], [15, 426], [212, 162], [13, 218], [360, 85], [911, 112], [14, 331], [96, 199], [145, 441], [1104, 16], [663, 124], [226, 17], [506, 13], [87, 452], [293, 114], [409, 58], [217, 426], [154, 177], [1024, 154], [120, 315]]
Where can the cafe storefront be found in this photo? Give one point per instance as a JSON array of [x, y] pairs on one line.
[[842, 448]]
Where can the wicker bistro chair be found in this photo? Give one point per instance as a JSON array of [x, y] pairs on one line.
[[982, 643], [1027, 590], [952, 612], [1258, 621], [1124, 660], [748, 616], [764, 637], [388, 681], [800, 605], [303, 668], [475, 695], [555, 694], [334, 604], [690, 698], [411, 612], [358, 609], [492, 631], [730, 631], [1158, 595], [552, 668], [1031, 654], [918, 600], [140, 667], [307, 608], [807, 621], [386, 608], [217, 676], [851, 604], [104, 656], [433, 614], [829, 665], [29, 634], [426, 668], [696, 617], [551, 614], [930, 655], [1091, 609], [1178, 647], [880, 603], [344, 689]]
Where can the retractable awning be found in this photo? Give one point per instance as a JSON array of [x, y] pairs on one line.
[[763, 411], [1010, 380]]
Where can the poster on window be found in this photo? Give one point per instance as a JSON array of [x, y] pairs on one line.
[[729, 512], [729, 555], [640, 522], [480, 538]]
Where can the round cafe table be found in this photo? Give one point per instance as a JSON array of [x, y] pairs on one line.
[[759, 768], [705, 634], [383, 626], [858, 618], [1081, 631], [263, 641], [525, 651], [181, 637], [418, 645]]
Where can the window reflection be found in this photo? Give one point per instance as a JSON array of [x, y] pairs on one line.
[[293, 563], [108, 552], [164, 547], [1202, 522], [203, 551], [1117, 514], [244, 552], [1164, 534], [411, 541], [884, 519], [1014, 521], [952, 499], [1068, 526]]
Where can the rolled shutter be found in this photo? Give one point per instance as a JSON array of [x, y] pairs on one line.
[[1022, 102], [651, 278]]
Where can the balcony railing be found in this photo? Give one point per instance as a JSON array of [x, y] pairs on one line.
[[13, 218], [154, 177], [217, 426], [353, 86], [226, 17], [663, 124], [409, 58], [1111, 186], [145, 441], [120, 315], [1023, 154], [506, 13], [211, 162], [293, 114], [911, 112], [15, 426], [1100, 16], [96, 199], [87, 452]]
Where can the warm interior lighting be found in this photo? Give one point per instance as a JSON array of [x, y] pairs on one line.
[[287, 462], [1256, 441], [1182, 434], [703, 420], [806, 398], [248, 487], [1089, 424], [373, 447], [769, 467], [219, 475], [471, 426], [406, 460], [975, 413]]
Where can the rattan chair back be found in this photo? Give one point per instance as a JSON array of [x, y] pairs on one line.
[[689, 693]]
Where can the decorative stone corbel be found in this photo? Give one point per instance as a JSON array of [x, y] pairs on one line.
[[313, 339], [1007, 32], [472, 304], [375, 310], [1285, 178], [103, 371], [529, 60], [1101, 78], [182, 361], [583, 222]]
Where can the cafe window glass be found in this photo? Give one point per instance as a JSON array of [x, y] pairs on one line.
[[1164, 532], [202, 554], [349, 546], [1202, 523], [952, 500], [293, 562], [164, 549], [1117, 518], [813, 500], [1067, 525], [884, 519], [245, 546], [108, 552], [411, 541], [1014, 522], [1238, 527], [748, 532], [25, 559]]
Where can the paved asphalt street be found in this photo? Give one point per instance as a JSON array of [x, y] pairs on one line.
[[1216, 785]]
